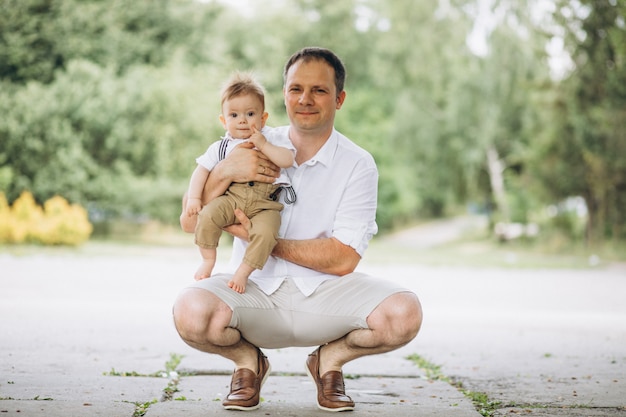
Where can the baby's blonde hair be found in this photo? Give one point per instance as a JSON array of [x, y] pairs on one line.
[[242, 83]]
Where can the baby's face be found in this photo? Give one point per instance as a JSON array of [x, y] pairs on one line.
[[241, 113]]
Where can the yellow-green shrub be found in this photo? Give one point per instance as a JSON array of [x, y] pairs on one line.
[[58, 223], [25, 216], [5, 215]]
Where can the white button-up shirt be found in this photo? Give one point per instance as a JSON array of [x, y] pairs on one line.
[[336, 197]]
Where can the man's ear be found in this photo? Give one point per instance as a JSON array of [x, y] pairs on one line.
[[340, 99]]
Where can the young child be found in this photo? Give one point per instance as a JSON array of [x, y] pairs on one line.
[[243, 116]]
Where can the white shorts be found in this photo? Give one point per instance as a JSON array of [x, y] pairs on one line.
[[288, 318]]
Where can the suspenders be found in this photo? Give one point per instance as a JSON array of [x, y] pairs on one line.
[[290, 196], [223, 146]]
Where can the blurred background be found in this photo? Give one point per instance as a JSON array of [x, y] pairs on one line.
[[511, 111]]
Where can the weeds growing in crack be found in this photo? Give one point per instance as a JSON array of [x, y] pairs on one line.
[[35, 398], [483, 404], [141, 408], [173, 362], [171, 388], [433, 372], [170, 366], [481, 401]]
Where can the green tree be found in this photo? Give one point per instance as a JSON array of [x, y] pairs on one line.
[[108, 104], [39, 37], [416, 64], [104, 141], [506, 120], [27, 47], [588, 138]]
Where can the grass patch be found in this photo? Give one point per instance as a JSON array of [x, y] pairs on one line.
[[484, 252], [472, 247]]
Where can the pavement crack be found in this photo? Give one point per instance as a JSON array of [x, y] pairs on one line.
[[481, 401], [170, 372]]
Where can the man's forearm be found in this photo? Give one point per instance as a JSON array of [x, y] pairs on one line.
[[216, 185], [327, 255], [243, 164]]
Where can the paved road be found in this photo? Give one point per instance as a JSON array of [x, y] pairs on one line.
[[540, 342]]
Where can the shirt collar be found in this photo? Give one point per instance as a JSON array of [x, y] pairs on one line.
[[327, 152]]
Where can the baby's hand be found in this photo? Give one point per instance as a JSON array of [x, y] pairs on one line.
[[194, 205], [257, 138]]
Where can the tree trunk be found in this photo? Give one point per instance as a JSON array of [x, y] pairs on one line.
[[496, 169]]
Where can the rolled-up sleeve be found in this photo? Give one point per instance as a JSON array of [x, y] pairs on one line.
[[355, 220]]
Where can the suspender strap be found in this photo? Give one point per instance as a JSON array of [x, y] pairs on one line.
[[290, 196], [223, 146]]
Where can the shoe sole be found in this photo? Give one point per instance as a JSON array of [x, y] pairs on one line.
[[321, 407], [253, 407]]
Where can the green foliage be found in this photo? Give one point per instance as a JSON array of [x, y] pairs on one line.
[[119, 144], [40, 37], [109, 104], [582, 151]]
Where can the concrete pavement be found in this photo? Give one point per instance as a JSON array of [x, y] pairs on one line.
[[535, 342]]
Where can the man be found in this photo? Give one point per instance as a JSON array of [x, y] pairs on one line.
[[308, 293]]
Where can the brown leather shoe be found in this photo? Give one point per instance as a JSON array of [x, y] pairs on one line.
[[245, 387], [331, 391]]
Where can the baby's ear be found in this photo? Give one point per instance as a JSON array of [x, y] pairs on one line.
[[264, 118], [223, 120]]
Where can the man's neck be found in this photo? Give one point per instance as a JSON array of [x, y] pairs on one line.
[[307, 144]]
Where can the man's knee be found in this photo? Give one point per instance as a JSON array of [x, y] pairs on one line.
[[194, 311], [401, 315], [183, 313], [413, 313]]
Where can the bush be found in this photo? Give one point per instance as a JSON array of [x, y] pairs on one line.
[[5, 223], [57, 223]]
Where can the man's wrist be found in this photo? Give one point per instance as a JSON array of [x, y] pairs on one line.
[[277, 250], [217, 173]]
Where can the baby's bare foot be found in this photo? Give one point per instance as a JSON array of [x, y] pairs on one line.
[[204, 270], [237, 287]]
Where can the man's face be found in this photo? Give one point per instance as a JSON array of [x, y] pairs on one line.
[[240, 113], [311, 96]]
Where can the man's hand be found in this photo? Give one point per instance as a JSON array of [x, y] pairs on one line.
[[243, 164], [246, 164], [241, 229]]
